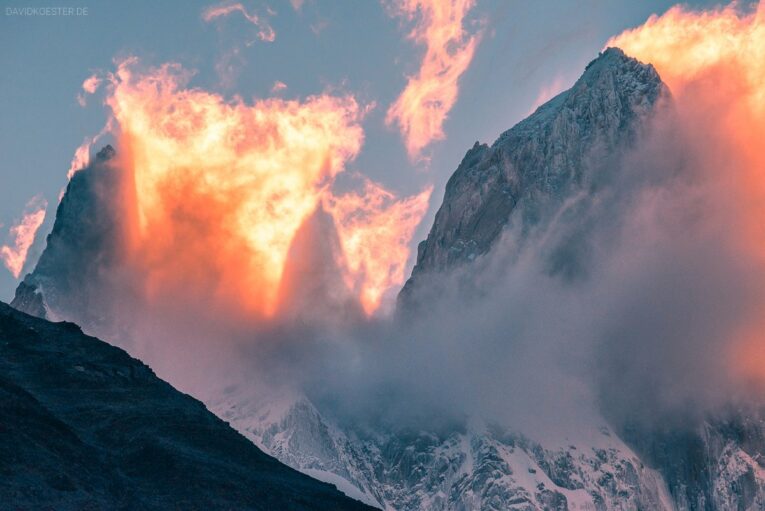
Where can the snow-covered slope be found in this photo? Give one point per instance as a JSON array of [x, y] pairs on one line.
[[718, 466], [472, 466]]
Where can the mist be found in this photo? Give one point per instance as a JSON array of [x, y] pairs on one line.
[[627, 300], [633, 298]]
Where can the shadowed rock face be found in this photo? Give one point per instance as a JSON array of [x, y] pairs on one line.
[[81, 250], [85, 426], [566, 143]]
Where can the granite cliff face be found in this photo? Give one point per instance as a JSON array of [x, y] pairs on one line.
[[566, 144], [85, 426]]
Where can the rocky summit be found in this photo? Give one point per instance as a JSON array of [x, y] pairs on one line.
[[564, 145]]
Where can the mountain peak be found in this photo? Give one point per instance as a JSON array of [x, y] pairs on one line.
[[86, 237], [613, 76], [540, 159], [608, 56], [615, 63]]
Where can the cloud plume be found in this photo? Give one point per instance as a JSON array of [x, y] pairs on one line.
[[375, 231], [714, 61], [265, 31], [424, 104], [203, 169]]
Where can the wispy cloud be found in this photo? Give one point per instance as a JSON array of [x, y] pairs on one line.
[[81, 158], [265, 31], [424, 104], [375, 228], [319, 27], [14, 255], [89, 86], [278, 87]]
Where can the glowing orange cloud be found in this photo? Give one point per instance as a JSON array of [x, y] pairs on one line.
[[221, 187], [375, 229], [423, 106], [265, 31], [226, 184], [686, 45], [714, 64], [23, 233]]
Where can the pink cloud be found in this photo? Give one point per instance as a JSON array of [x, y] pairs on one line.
[[265, 31], [278, 87], [90, 85]]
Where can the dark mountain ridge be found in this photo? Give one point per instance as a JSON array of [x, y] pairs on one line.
[[85, 426]]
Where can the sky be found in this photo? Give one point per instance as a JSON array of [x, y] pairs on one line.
[[522, 53]]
